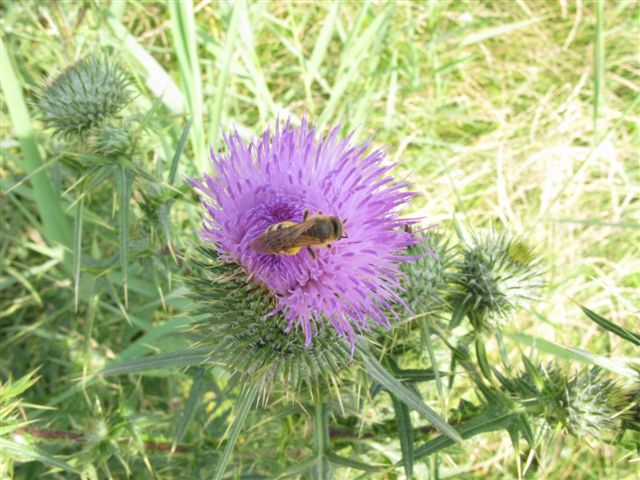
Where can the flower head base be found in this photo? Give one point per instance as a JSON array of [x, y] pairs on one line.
[[236, 334], [83, 96], [279, 177], [112, 140]]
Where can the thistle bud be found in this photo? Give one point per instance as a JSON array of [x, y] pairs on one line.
[[113, 140], [84, 95], [495, 276], [426, 279], [589, 404]]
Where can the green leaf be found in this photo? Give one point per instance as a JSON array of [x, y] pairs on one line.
[[405, 433], [459, 312], [612, 327], [481, 356], [378, 373], [29, 453], [571, 353], [489, 420], [243, 405], [124, 181], [351, 463], [77, 250], [181, 358]]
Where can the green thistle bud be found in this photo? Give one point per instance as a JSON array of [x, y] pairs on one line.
[[495, 276], [113, 140], [586, 405], [243, 334], [85, 94], [426, 279]]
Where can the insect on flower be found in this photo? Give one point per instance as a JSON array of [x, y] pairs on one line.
[[260, 206], [287, 238]]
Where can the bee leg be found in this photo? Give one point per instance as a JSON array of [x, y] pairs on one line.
[[311, 252], [305, 214], [329, 245]]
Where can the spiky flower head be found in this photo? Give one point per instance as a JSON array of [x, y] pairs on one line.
[[279, 177], [426, 279], [82, 96], [494, 276], [588, 404]]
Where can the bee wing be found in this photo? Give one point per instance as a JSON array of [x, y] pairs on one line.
[[280, 240]]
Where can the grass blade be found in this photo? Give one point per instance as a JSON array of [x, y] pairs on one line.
[[156, 78], [176, 157], [354, 54], [195, 395], [185, 42], [57, 228], [246, 399], [598, 65], [378, 373], [221, 86], [322, 42], [432, 357]]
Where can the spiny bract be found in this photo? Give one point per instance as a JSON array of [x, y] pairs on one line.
[[85, 94]]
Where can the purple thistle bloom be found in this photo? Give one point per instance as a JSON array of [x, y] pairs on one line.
[[275, 179]]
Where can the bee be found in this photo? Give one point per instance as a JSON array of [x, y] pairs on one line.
[[288, 238]]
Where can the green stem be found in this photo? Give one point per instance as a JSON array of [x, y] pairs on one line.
[[321, 469]]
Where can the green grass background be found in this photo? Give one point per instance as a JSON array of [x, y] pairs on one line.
[[519, 115]]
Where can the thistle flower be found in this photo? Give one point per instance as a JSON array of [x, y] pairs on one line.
[[495, 276], [82, 96], [279, 177]]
